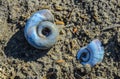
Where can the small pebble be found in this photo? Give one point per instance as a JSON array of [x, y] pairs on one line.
[[58, 8]]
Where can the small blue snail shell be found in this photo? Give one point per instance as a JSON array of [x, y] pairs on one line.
[[91, 54], [40, 30]]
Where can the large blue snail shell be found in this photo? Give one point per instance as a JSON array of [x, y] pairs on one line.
[[40, 30], [91, 54]]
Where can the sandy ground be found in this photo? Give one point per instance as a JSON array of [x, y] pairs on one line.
[[84, 20]]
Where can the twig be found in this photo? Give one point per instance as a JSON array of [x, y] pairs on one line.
[[70, 14], [78, 75], [111, 27]]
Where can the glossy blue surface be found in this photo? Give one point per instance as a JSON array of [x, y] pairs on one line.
[[91, 54], [34, 27]]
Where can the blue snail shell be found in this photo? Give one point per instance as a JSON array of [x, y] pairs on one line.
[[91, 54], [40, 30]]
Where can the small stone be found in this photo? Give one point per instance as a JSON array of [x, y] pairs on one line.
[[68, 34], [105, 41], [58, 8], [73, 44], [61, 32], [79, 66], [105, 15], [59, 23], [97, 19], [87, 68], [84, 17], [60, 61], [75, 29], [45, 7]]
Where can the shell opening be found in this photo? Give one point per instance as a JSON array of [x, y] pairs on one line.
[[46, 31], [85, 56]]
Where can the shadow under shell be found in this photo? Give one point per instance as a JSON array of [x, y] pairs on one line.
[[18, 47]]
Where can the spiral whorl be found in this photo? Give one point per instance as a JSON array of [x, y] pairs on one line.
[[40, 30]]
